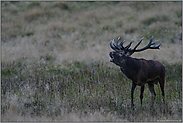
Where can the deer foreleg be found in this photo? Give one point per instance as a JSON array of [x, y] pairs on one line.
[[141, 93], [132, 90]]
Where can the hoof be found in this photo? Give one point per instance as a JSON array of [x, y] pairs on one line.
[[132, 106]]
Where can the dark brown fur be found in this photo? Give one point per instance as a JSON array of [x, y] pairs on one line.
[[140, 71]]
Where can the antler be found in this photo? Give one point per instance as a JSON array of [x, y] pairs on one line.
[[113, 46], [117, 47], [131, 51], [146, 47]]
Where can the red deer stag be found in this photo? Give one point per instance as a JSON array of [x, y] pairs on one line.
[[140, 71]]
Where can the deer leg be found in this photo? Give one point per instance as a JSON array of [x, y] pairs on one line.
[[132, 90], [151, 88], [161, 82], [141, 93]]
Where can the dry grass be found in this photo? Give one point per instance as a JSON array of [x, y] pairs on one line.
[[65, 35], [81, 92], [58, 34]]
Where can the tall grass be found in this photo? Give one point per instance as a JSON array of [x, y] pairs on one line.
[[49, 91], [55, 64]]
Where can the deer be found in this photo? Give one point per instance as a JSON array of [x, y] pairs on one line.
[[139, 70]]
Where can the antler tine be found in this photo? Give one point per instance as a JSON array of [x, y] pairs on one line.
[[150, 43], [129, 44], [121, 44], [155, 47], [159, 45], [111, 45], [117, 47], [114, 47], [148, 46], [138, 44], [117, 42], [155, 44]]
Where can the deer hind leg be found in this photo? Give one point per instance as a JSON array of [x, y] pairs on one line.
[[151, 88], [132, 91], [141, 94], [162, 82]]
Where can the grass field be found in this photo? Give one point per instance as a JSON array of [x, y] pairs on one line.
[[55, 63]]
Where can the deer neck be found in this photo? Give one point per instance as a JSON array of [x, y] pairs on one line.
[[124, 61], [130, 67], [130, 64]]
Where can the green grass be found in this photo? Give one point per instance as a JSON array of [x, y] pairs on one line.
[[55, 63], [47, 90]]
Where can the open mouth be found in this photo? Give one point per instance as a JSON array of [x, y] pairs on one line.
[[112, 58]]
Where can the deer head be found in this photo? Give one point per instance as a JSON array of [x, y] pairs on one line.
[[118, 56]]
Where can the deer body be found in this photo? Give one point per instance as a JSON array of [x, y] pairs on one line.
[[140, 71]]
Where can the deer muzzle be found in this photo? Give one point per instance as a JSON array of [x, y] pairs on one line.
[[111, 55]]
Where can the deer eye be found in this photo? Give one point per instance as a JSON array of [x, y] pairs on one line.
[[127, 54], [121, 53]]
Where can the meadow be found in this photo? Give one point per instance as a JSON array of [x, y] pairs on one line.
[[55, 63]]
